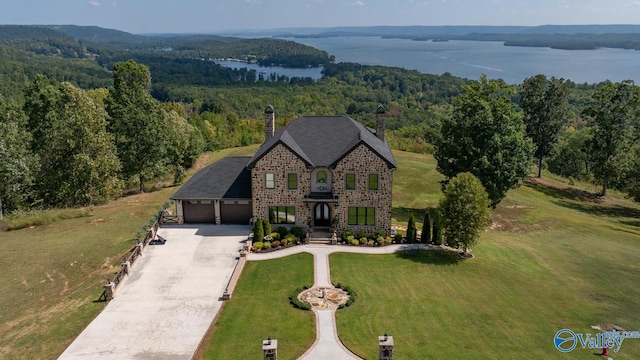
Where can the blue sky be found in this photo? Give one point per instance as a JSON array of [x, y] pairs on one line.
[[183, 16]]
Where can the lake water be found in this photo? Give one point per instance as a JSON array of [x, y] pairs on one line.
[[471, 59], [314, 73]]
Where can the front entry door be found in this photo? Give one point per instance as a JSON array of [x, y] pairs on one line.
[[322, 216]]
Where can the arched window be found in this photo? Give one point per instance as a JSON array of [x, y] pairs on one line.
[[321, 177]]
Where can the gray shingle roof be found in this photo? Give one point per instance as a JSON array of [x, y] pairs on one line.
[[324, 140], [227, 178]]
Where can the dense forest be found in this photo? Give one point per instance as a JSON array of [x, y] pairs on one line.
[[73, 105]]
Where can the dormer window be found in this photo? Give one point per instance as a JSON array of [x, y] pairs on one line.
[[321, 177]]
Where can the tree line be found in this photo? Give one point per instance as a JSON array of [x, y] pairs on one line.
[[72, 147], [564, 125]]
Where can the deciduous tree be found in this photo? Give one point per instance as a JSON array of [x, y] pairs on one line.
[[485, 136], [17, 163], [464, 210], [543, 102], [78, 164], [612, 110], [137, 122]]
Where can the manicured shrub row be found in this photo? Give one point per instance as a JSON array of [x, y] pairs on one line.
[[352, 295], [293, 299], [378, 241]]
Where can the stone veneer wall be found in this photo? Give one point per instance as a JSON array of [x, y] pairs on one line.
[[362, 162], [280, 161]]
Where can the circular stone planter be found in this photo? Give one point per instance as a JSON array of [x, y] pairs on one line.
[[324, 298]]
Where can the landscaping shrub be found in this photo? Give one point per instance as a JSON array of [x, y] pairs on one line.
[[275, 235], [266, 245], [257, 245], [345, 235], [388, 240], [283, 231], [290, 237], [297, 231], [363, 241], [352, 295], [411, 229], [293, 299], [380, 240], [284, 242], [425, 237], [266, 226], [354, 241], [362, 234], [378, 233], [371, 242], [258, 230], [436, 232], [275, 243]]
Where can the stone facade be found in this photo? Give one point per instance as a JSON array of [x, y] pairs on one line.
[[280, 161], [361, 162]]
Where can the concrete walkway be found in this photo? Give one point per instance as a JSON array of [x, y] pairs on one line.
[[163, 309], [327, 344]]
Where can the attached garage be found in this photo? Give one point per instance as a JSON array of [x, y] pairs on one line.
[[199, 211], [236, 212], [219, 194]]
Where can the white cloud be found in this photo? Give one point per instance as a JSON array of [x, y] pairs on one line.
[[254, 2], [95, 3], [358, 3]]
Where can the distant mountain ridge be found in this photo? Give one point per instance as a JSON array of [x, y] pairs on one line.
[[427, 30]]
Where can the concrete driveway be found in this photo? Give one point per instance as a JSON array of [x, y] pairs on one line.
[[163, 309]]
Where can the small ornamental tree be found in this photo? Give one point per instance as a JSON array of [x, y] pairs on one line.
[[411, 230], [436, 232], [464, 210], [258, 230], [425, 237], [266, 225]]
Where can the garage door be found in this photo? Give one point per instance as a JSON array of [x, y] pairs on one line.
[[235, 212], [199, 212]]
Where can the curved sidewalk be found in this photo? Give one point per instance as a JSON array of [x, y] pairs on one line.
[[327, 344]]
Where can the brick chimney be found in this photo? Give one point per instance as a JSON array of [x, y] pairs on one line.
[[380, 111], [269, 122]]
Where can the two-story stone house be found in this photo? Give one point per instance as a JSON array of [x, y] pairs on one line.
[[316, 172]]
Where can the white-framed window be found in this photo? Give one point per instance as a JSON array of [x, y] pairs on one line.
[[270, 181]]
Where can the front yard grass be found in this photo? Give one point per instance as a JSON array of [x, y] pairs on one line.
[[260, 308], [554, 258]]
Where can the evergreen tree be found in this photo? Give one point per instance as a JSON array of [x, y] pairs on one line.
[[411, 230], [258, 230], [425, 237], [436, 232], [267, 227]]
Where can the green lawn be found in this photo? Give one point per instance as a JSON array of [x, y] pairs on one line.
[[260, 308], [556, 257]]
